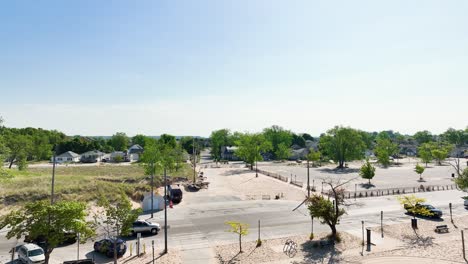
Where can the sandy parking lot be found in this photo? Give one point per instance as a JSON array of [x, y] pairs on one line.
[[402, 175]]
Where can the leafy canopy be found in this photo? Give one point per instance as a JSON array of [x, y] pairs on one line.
[[41, 219], [367, 171], [342, 144]]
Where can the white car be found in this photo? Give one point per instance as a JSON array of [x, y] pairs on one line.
[[31, 254]]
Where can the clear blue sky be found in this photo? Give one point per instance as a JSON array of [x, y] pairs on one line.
[[189, 67]]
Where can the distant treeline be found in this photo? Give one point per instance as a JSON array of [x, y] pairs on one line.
[[340, 144], [21, 145]]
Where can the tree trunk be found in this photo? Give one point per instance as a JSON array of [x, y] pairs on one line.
[[251, 166], [420, 177], [240, 241], [47, 256], [333, 229], [11, 163], [341, 164], [369, 181]]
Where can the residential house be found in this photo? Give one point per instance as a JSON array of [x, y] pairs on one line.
[[68, 156], [134, 153], [228, 153], [92, 156], [118, 156]]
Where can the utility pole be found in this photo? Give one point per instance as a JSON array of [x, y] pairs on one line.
[[308, 180], [194, 161], [165, 211], [152, 189], [53, 175]]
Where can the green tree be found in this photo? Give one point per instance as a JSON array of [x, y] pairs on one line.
[[119, 141], [425, 153], [41, 219], [283, 152], [440, 151], [307, 137], [219, 138], [168, 140], [455, 137], [462, 180], [277, 135], [423, 137], [313, 156], [411, 202], [367, 171], [19, 147], [298, 140], [118, 215], [139, 139], [327, 211], [342, 144], [419, 170], [250, 147], [384, 149], [238, 228]]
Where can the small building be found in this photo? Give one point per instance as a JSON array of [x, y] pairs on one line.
[[134, 153], [92, 156], [118, 156], [158, 202], [68, 156], [298, 154], [228, 153]]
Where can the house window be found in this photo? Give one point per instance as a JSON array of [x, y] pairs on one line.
[[60, 159], [69, 159]]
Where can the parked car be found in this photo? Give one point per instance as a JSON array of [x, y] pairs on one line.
[[70, 238], [465, 201], [31, 254], [142, 226], [175, 193], [106, 246], [434, 211], [80, 261]]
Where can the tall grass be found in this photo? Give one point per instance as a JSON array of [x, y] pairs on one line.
[[81, 183]]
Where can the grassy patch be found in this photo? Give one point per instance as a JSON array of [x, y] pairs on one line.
[[82, 183]]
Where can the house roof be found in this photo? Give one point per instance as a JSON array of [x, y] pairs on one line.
[[135, 149], [69, 154], [93, 152]]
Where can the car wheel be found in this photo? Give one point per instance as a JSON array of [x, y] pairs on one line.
[[154, 231]]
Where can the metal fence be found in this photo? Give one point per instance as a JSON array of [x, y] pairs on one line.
[[394, 191], [274, 175]]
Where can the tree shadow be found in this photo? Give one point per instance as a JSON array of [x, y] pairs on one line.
[[233, 260], [319, 254], [417, 241], [367, 185], [339, 170], [236, 172]]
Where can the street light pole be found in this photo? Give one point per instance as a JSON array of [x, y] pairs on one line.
[[152, 191], [194, 160], [165, 211], [53, 175], [308, 180]]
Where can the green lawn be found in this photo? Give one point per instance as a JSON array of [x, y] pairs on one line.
[[82, 183]]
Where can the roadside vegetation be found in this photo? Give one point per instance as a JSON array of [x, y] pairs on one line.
[[80, 183]]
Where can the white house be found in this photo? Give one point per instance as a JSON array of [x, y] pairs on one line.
[[158, 202], [134, 153], [92, 156], [68, 156], [116, 154]]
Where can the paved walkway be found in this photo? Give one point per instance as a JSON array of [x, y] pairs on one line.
[[401, 259]]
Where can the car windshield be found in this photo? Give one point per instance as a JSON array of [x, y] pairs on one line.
[[429, 207], [35, 252]]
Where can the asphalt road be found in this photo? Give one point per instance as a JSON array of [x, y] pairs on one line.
[[200, 223]]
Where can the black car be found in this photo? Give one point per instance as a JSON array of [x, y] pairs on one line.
[[106, 246], [40, 240], [434, 211]]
